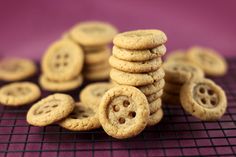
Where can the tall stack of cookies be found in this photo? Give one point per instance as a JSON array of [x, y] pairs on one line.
[[94, 37], [136, 61]]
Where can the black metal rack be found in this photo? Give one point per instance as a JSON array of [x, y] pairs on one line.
[[179, 134]]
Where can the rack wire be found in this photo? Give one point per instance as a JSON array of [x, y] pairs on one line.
[[179, 134]]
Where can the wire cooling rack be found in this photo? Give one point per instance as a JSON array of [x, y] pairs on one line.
[[179, 134]]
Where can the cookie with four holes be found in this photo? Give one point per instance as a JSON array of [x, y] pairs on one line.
[[135, 67], [63, 61], [123, 112], [203, 99], [15, 69], [18, 94], [140, 39], [56, 86], [93, 33], [181, 72], [138, 55], [211, 62], [50, 109], [92, 94], [136, 79], [82, 118]]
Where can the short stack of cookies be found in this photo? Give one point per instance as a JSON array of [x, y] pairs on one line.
[[94, 37], [136, 61]]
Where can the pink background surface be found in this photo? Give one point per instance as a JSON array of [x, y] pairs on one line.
[[27, 27]]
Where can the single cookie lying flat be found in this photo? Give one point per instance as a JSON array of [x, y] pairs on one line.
[[135, 67], [15, 69], [18, 94], [140, 39], [82, 118], [203, 99], [50, 109], [123, 112]]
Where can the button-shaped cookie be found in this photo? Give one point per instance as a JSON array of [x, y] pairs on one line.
[[181, 72], [17, 94], [63, 61], [123, 112], [15, 69], [211, 62], [203, 99], [82, 118], [50, 109]]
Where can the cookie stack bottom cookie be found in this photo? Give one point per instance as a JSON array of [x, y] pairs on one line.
[[96, 65]]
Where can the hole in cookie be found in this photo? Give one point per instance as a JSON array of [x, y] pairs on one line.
[[175, 68], [213, 102], [126, 103], [66, 56], [65, 63], [73, 117], [121, 120], [58, 56], [54, 106], [116, 108], [39, 112], [85, 116], [203, 100], [57, 65], [132, 114], [46, 106], [201, 90], [48, 111], [210, 92], [80, 111]]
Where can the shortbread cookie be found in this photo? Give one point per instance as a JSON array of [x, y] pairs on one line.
[[181, 72], [49, 85], [172, 88], [135, 79], [93, 33], [123, 112], [155, 105], [203, 99], [171, 99], [211, 62], [15, 69], [155, 96], [135, 67], [50, 109], [96, 67], [83, 118], [97, 57], [101, 74], [140, 39], [63, 61], [138, 55], [152, 88], [155, 117], [177, 55], [18, 94], [92, 94]]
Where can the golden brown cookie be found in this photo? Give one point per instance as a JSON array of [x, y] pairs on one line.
[[155, 96], [94, 49], [123, 112], [63, 61], [155, 117], [152, 88], [140, 39], [138, 55], [97, 57], [135, 79], [49, 85], [177, 55], [210, 61], [203, 99], [172, 88], [82, 118], [155, 105], [97, 67], [171, 99], [92, 94], [181, 72], [93, 33], [135, 67], [50, 109], [18, 94], [15, 69], [96, 75]]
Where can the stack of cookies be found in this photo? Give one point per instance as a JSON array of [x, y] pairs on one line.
[[62, 65], [136, 61], [94, 37], [176, 75]]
